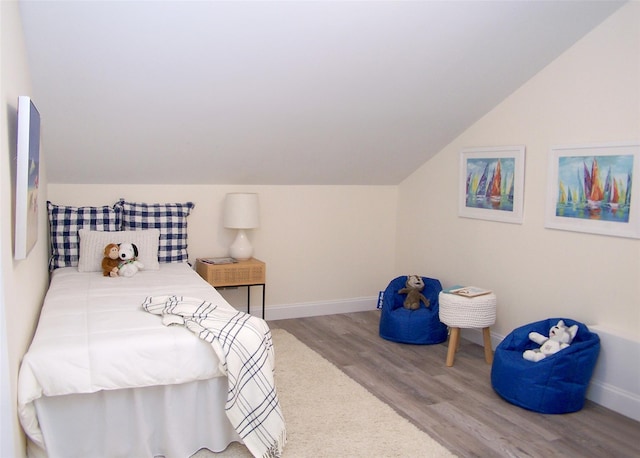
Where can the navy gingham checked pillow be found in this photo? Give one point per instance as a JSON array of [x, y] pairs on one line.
[[170, 218], [66, 221]]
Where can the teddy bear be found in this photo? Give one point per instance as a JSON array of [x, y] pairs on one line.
[[129, 265], [413, 289], [111, 260], [560, 337]]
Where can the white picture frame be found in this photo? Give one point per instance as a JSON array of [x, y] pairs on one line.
[[27, 177], [587, 189], [501, 168]]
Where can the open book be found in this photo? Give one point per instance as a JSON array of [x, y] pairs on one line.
[[468, 291], [219, 260]]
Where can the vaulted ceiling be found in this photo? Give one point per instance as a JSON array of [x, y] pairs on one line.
[[297, 92]]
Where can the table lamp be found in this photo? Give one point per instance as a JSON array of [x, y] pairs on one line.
[[241, 212]]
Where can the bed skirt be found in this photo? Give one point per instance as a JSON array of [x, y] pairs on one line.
[[172, 421]]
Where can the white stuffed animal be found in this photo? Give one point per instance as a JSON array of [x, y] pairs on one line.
[[129, 266], [560, 337]]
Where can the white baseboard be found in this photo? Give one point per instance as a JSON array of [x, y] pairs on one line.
[[616, 379], [614, 398], [357, 304]]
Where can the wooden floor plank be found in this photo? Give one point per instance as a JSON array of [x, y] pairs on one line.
[[457, 405]]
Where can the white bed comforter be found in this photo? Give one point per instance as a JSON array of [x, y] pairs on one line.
[[94, 335]]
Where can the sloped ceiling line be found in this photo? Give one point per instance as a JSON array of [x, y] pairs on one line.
[[357, 93]]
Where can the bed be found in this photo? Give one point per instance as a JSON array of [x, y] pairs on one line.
[[109, 375]]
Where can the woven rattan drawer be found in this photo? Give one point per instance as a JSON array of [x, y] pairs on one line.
[[242, 273]]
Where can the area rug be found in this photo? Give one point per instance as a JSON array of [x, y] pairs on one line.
[[330, 415]]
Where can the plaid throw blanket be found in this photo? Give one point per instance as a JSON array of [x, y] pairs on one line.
[[243, 344]]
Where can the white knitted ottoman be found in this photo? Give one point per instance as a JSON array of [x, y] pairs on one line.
[[468, 312]]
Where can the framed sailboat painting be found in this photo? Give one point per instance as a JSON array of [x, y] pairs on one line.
[[27, 177], [591, 189], [492, 183]]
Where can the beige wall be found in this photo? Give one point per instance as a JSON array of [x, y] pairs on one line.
[[588, 95], [324, 243], [320, 243], [23, 282]]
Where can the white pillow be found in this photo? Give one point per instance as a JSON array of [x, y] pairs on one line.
[[92, 244]]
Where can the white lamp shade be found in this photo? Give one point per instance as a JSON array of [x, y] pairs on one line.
[[241, 211]]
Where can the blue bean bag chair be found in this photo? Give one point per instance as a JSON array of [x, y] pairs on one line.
[[557, 383], [421, 326]]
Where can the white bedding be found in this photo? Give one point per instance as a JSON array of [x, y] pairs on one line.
[[172, 421], [94, 335]]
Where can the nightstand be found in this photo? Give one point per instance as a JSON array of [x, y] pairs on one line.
[[251, 272]]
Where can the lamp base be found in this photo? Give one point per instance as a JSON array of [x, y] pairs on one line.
[[241, 248]]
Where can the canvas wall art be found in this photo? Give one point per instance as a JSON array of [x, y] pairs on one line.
[[591, 189], [27, 177], [492, 183]]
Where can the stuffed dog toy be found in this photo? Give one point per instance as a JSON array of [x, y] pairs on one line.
[[129, 266]]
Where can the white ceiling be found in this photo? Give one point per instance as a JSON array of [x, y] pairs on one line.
[[278, 92]]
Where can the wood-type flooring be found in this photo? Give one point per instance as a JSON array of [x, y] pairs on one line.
[[457, 405]]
